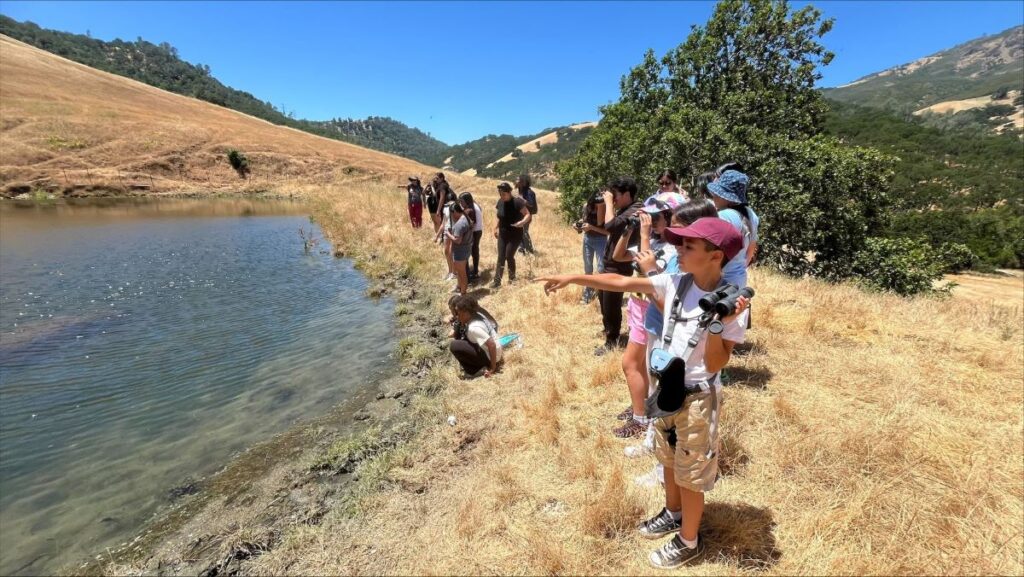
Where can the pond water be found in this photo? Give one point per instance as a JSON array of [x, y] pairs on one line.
[[142, 343]]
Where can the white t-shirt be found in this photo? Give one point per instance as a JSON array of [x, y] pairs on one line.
[[478, 332], [686, 325], [479, 218]]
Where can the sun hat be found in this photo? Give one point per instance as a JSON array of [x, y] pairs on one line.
[[731, 186], [712, 229], [414, 179], [663, 201]]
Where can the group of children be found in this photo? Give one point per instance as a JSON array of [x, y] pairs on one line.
[[683, 249]]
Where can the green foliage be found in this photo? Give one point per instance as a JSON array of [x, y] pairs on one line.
[[160, 66], [962, 186], [239, 162], [477, 154], [902, 266], [742, 88], [955, 257]]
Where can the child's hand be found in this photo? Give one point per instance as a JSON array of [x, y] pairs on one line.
[[645, 223], [553, 283], [741, 305], [645, 260]]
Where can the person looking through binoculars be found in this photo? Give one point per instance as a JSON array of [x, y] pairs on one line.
[[704, 319]]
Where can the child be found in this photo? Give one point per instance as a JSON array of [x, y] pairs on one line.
[[691, 462], [477, 350]]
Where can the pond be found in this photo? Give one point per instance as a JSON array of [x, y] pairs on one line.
[[143, 343]]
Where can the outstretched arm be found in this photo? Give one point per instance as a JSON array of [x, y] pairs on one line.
[[607, 282]]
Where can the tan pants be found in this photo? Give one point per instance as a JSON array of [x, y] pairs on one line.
[[694, 455]]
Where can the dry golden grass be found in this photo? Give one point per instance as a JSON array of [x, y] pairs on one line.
[[70, 129], [863, 433]]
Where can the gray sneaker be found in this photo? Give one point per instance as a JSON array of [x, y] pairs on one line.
[[675, 554], [659, 525]]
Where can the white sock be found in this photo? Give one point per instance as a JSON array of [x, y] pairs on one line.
[[676, 515], [642, 420], [689, 544]]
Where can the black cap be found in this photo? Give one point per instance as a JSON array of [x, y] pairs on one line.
[[414, 179]]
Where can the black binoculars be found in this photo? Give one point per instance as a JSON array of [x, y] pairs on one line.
[[722, 302]]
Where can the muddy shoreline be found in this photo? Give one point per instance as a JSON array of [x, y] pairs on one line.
[[214, 525]]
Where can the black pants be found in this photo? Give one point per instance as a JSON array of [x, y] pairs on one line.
[[527, 241], [611, 310], [508, 244], [475, 253], [470, 356]]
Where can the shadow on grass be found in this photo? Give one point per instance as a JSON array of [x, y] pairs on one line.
[[749, 348], [732, 456], [750, 377], [740, 534]]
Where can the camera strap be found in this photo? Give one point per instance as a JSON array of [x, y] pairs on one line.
[[685, 283]]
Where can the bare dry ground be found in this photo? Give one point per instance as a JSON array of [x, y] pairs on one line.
[[864, 433]]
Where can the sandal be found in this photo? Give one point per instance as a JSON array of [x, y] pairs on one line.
[[626, 414], [632, 428]]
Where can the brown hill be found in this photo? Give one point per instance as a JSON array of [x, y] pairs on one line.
[[67, 129]]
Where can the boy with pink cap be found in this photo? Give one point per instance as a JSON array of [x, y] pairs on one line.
[[687, 439]]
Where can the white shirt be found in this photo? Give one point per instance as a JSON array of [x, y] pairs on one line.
[[479, 218], [686, 325], [479, 331]]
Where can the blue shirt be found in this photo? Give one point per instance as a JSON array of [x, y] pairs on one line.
[[654, 319], [735, 271]]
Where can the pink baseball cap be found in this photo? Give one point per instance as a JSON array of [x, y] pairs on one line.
[[712, 229]]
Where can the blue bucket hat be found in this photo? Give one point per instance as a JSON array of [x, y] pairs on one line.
[[731, 186]]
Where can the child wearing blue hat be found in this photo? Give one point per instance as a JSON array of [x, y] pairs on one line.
[[729, 193]]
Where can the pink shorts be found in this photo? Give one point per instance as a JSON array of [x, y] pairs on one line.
[[636, 310]]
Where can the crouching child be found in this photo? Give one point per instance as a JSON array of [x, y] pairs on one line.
[[687, 440]]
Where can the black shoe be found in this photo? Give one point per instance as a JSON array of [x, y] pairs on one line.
[[675, 554], [659, 525], [496, 284]]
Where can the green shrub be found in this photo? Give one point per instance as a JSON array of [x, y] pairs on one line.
[[899, 265], [955, 257], [239, 162]]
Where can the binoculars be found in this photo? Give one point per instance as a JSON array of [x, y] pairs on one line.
[[722, 302]]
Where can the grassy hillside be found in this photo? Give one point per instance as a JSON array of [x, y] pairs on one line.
[[68, 129], [982, 67], [160, 66]]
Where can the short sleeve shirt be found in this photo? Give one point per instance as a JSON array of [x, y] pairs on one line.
[[615, 229], [735, 331], [479, 226], [653, 318], [415, 194], [510, 212], [479, 332], [462, 231], [735, 271]]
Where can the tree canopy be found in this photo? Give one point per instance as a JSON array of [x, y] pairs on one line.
[[742, 88]]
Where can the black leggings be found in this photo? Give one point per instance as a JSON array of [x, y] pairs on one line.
[[508, 244], [475, 253], [470, 356]]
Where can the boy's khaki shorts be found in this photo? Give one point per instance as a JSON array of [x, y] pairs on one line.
[[694, 456]]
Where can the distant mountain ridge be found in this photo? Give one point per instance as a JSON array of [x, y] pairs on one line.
[[990, 66]]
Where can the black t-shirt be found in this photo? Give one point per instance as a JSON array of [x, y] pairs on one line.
[[510, 212], [615, 229], [431, 198]]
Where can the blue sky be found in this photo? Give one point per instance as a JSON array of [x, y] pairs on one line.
[[460, 70]]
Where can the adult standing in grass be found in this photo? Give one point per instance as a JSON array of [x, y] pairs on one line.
[[415, 200], [526, 193], [729, 193], [461, 237], [595, 240], [620, 198], [512, 216], [432, 204], [477, 217], [444, 193]]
